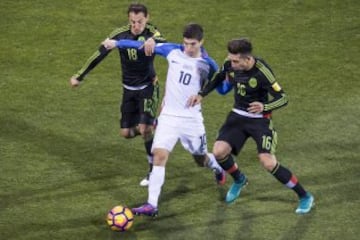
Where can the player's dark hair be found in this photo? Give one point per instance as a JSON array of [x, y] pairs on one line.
[[137, 8], [242, 46], [194, 31]]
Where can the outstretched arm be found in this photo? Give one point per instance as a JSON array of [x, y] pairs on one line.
[[110, 44], [90, 64], [162, 49]]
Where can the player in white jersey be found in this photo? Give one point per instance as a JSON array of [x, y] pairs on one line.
[[189, 69]]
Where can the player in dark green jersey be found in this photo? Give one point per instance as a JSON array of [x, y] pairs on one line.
[[140, 87], [256, 94]]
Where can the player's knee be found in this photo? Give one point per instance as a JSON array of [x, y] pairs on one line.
[[160, 157], [200, 160], [220, 153], [125, 133], [129, 132], [221, 150], [267, 160]]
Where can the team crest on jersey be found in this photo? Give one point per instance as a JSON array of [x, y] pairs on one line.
[[253, 82], [231, 74], [141, 38]]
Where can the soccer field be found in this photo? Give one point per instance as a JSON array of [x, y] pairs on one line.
[[63, 164]]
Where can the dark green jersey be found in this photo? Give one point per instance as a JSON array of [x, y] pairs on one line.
[[257, 84], [137, 69]]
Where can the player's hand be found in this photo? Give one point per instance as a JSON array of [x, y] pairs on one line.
[[193, 100], [256, 107], [109, 43], [74, 82], [149, 46]]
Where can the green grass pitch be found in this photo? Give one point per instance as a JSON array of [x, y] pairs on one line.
[[63, 165]]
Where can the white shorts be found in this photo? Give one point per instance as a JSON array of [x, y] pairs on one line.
[[190, 132]]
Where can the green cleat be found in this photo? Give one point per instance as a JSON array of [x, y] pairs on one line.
[[235, 189], [305, 204]]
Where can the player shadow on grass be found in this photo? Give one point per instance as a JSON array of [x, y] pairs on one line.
[[247, 218], [219, 213], [170, 222], [54, 227], [300, 228]]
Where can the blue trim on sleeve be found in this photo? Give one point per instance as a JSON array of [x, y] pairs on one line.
[[224, 88], [163, 49], [128, 44], [213, 66]]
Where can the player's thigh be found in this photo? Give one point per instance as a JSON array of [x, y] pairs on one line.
[[221, 149], [193, 137], [233, 132], [264, 135], [148, 102], [166, 134], [129, 109], [129, 120]]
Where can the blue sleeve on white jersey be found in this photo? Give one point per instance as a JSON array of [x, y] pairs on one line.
[[213, 67], [224, 87], [128, 44], [163, 49]]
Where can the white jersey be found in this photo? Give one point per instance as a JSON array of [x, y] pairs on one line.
[[184, 79], [186, 76]]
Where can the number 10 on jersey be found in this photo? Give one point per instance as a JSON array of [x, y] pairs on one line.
[[184, 78]]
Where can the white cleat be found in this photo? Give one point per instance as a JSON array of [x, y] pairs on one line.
[[144, 182]]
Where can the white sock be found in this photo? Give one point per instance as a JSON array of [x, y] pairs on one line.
[[156, 180], [213, 164]]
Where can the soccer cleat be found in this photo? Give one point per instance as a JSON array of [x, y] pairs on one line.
[[145, 181], [305, 204], [220, 177], [235, 189], [146, 209]]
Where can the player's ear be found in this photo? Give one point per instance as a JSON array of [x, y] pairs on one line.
[[202, 42]]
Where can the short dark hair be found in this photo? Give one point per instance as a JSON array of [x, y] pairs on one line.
[[137, 8], [241, 45], [194, 31]]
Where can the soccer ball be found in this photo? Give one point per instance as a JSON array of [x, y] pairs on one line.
[[120, 218]]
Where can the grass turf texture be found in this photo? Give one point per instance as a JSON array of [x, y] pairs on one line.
[[63, 165]]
